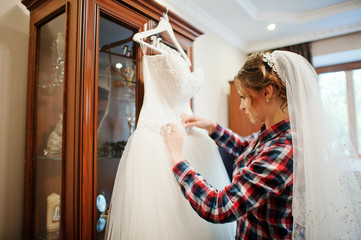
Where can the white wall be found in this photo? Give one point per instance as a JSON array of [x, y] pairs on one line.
[[14, 32], [337, 44], [220, 62], [337, 50]]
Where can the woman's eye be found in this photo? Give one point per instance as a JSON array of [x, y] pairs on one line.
[[242, 97]]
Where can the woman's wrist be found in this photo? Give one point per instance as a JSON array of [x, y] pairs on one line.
[[211, 127], [176, 160]]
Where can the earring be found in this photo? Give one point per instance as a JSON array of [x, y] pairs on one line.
[[267, 100]]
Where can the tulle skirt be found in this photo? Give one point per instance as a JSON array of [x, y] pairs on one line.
[[147, 202]]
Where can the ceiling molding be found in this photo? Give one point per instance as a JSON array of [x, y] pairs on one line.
[[189, 8], [274, 16], [301, 38]]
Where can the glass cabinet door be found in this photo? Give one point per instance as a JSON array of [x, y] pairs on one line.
[[116, 107], [48, 128]]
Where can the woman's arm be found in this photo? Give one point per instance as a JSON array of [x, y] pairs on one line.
[[269, 174], [225, 138], [230, 141]]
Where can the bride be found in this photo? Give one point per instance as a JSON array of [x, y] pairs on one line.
[[326, 193]]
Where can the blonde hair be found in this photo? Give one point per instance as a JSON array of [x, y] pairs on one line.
[[256, 75]]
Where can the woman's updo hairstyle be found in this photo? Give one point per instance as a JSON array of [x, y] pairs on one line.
[[257, 74]]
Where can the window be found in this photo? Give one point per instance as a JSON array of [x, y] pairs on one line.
[[343, 84]]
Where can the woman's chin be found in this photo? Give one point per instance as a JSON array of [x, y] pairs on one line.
[[254, 121]]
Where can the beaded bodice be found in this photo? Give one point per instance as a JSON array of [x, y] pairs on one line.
[[169, 85]]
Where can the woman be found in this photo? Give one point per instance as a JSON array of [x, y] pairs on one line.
[[292, 178]]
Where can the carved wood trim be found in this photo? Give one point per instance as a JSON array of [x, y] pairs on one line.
[[339, 67], [154, 10]]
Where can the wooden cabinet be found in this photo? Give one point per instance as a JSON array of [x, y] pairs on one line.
[[238, 121], [85, 91]]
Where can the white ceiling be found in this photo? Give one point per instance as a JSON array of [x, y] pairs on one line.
[[244, 22]]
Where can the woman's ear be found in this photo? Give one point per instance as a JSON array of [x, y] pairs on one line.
[[268, 92]]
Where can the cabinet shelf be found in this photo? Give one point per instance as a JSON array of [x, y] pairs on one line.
[[53, 78], [116, 78], [45, 235], [109, 157], [48, 158]]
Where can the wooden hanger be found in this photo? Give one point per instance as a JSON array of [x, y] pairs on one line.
[[163, 26]]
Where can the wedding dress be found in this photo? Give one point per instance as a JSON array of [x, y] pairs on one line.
[[146, 200]]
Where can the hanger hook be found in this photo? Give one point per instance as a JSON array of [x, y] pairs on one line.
[[165, 15]]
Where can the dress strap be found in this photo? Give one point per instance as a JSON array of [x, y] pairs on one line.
[[144, 48]]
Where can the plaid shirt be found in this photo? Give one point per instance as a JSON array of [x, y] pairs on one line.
[[260, 195]]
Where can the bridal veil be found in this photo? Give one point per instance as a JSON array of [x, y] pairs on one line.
[[326, 191]]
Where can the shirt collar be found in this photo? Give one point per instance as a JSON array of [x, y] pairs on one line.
[[274, 130]]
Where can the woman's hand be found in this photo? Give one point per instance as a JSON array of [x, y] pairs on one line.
[[194, 121], [174, 141]]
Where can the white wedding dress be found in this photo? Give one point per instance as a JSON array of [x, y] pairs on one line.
[[147, 202]]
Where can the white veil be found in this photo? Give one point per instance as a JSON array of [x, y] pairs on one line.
[[326, 190]]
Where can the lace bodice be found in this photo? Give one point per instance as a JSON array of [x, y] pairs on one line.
[[169, 85], [172, 67]]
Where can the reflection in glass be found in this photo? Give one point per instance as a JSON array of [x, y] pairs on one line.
[[130, 112], [356, 75], [333, 89], [56, 75], [116, 106], [49, 128], [101, 203], [101, 223]]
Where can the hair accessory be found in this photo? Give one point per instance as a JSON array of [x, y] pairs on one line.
[[268, 58]]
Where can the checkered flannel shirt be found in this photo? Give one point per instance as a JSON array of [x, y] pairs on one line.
[[260, 195]]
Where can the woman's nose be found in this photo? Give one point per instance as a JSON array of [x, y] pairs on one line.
[[241, 106]]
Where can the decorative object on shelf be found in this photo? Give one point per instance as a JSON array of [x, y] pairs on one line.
[[125, 76], [56, 77], [122, 77], [54, 64], [111, 149], [53, 213], [101, 223], [54, 144], [129, 73], [127, 52], [101, 203], [60, 44], [102, 207], [116, 125], [130, 112]]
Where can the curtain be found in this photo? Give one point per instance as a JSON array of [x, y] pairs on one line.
[[303, 49]]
